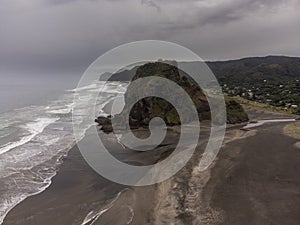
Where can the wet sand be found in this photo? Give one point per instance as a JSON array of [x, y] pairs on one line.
[[257, 179], [77, 191], [254, 180]]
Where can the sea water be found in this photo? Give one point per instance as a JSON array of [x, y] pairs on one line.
[[35, 138]]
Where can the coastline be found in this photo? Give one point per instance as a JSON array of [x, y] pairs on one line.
[[77, 193]]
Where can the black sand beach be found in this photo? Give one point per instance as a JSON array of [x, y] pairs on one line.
[[260, 184], [255, 180], [76, 191]]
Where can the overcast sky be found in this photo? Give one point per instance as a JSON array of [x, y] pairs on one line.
[[62, 35]]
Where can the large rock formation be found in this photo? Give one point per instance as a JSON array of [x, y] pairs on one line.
[[146, 109]]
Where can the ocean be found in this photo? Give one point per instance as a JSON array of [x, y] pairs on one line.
[[36, 133]]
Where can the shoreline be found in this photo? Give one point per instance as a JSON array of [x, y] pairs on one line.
[[172, 201]]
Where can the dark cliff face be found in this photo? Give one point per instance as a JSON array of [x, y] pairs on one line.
[[146, 109], [151, 107]]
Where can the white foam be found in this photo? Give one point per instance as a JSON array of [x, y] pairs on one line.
[[119, 138], [34, 128], [91, 86], [94, 216], [13, 201], [38, 146], [132, 215], [8, 205], [64, 110], [51, 141]]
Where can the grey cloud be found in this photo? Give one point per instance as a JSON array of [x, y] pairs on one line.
[[75, 33], [61, 2], [58, 2], [151, 3], [221, 13]]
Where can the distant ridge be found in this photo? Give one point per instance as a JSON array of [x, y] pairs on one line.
[[250, 69], [254, 57], [257, 69]]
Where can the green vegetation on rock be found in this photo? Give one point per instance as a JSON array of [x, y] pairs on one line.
[[146, 109], [235, 112]]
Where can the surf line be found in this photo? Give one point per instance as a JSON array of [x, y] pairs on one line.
[[92, 216]]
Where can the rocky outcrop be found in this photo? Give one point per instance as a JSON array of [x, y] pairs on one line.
[[105, 123], [146, 109], [235, 112]]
